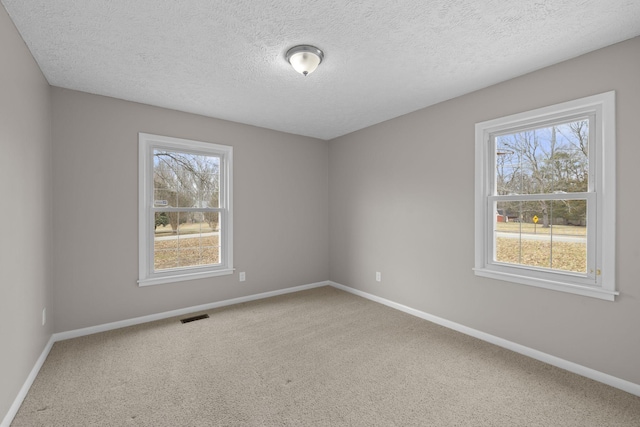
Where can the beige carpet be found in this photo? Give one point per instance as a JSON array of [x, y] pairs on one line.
[[315, 358]]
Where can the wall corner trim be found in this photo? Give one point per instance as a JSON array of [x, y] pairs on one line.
[[575, 368]]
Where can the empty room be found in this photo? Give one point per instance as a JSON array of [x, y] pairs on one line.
[[283, 213]]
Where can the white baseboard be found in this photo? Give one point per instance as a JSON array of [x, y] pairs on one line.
[[13, 410], [180, 312], [6, 422], [621, 384]]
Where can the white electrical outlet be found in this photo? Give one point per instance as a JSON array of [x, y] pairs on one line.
[[242, 276], [378, 276], [44, 316]]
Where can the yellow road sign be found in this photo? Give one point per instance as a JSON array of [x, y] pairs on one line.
[[535, 219]]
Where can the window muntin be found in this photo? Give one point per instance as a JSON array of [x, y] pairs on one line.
[[195, 241], [185, 179], [185, 209], [545, 197], [544, 160], [520, 237], [551, 158]]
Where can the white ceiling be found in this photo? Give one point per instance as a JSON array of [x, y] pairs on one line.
[[383, 58]]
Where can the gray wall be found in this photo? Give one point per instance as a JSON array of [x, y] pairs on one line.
[[402, 203], [280, 209], [25, 248], [396, 198]]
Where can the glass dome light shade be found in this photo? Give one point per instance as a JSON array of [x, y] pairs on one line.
[[304, 59]]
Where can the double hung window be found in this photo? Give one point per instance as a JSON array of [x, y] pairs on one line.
[[185, 215], [545, 197]]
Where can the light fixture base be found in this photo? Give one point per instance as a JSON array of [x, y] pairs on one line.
[[304, 58]]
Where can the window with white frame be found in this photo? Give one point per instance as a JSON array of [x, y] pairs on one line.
[[545, 197], [185, 216]]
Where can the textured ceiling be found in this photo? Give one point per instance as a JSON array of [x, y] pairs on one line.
[[383, 58]]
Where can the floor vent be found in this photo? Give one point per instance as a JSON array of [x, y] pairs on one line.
[[194, 318]]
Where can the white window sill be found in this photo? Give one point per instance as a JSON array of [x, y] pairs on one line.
[[571, 288], [181, 276]]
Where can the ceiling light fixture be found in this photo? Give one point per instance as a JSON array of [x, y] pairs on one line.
[[304, 58]]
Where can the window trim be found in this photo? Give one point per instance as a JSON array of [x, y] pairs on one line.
[[146, 144], [602, 189]]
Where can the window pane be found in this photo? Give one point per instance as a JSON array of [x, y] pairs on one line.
[[551, 159], [184, 239], [185, 180], [569, 234], [548, 234]]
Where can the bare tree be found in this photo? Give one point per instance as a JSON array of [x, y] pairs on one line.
[[544, 161], [186, 180]]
